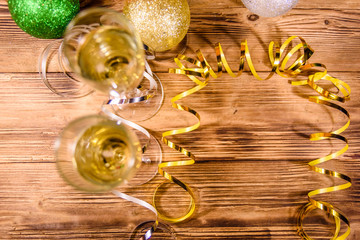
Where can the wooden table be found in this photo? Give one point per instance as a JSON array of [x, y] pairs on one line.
[[251, 174]]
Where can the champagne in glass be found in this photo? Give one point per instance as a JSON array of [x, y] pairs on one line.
[[96, 154], [109, 58], [103, 48]]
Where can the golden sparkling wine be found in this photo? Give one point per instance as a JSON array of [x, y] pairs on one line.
[[104, 155], [110, 59]]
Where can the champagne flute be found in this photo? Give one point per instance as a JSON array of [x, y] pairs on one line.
[[96, 154], [102, 47]]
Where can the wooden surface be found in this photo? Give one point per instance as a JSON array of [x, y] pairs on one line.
[[251, 175]]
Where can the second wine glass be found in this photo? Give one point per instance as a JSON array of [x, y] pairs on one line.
[[96, 154]]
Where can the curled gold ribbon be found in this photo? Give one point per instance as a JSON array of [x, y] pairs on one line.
[[199, 85], [279, 57]]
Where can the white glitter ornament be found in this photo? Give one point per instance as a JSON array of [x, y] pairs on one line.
[[162, 24], [269, 8]]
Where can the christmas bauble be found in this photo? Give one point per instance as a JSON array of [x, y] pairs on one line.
[[162, 24], [269, 8], [43, 18]]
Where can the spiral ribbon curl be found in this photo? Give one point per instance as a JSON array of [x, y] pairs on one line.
[[199, 85], [279, 58]]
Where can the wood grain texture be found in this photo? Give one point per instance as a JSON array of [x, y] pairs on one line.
[[252, 148]]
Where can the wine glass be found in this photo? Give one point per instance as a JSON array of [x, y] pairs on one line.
[[96, 154], [102, 49]]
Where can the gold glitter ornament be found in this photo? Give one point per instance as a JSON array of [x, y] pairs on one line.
[[162, 24]]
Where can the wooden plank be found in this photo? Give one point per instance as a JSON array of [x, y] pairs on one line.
[[252, 148]]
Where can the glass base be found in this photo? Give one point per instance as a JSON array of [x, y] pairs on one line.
[[151, 158], [143, 110], [64, 83], [163, 231]]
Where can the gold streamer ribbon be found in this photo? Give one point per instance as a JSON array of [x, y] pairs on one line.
[[279, 58], [199, 85]]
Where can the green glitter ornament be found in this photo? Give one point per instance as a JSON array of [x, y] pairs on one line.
[[43, 18]]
